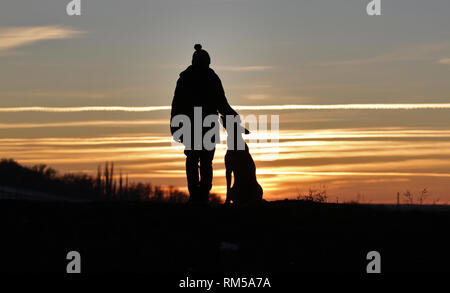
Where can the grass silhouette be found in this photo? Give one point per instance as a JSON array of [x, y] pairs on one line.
[[105, 186]]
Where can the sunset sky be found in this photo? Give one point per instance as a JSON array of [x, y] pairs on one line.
[[286, 55]]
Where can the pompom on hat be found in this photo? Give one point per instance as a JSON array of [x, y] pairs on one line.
[[200, 57]]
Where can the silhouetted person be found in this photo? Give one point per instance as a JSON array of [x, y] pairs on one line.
[[199, 86], [240, 165]]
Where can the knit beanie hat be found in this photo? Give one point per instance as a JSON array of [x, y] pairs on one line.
[[200, 57]]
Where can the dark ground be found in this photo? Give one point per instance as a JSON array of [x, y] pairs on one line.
[[285, 236]]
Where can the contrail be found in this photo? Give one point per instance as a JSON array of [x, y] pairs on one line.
[[436, 106], [85, 109], [349, 107]]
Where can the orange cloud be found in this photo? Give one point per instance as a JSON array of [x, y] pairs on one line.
[[444, 61], [13, 37]]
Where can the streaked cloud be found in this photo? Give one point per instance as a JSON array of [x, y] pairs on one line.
[[14, 37], [56, 93], [257, 97], [84, 109], [112, 123], [404, 53], [243, 68], [249, 68], [444, 61], [349, 107], [418, 106]]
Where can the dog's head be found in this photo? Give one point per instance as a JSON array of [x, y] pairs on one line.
[[235, 141], [223, 120]]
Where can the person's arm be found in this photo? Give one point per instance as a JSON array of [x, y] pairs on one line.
[[224, 107]]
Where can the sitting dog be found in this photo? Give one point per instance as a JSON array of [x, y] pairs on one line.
[[240, 165]]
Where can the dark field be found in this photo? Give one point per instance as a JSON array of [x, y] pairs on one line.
[[287, 236]]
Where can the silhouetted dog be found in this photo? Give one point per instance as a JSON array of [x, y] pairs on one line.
[[240, 165]]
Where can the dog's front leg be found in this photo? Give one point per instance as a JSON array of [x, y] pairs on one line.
[[228, 176], [227, 200]]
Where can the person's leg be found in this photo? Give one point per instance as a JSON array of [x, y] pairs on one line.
[[192, 160], [206, 173]]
